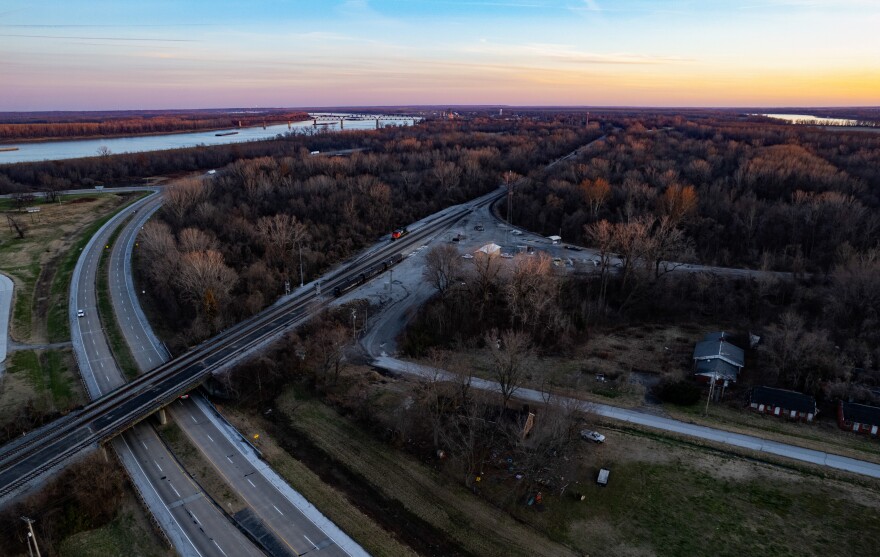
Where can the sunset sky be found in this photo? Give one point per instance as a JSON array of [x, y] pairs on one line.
[[116, 54]]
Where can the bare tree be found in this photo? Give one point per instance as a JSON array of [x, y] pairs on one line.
[[596, 193], [442, 265], [666, 246], [601, 235], [511, 354], [280, 234], [158, 252], [487, 267], [22, 200], [469, 435], [19, 227], [205, 280], [183, 196], [448, 174], [678, 202], [193, 239], [325, 351], [532, 290]]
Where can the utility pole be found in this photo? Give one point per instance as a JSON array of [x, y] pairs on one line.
[[509, 197], [711, 390], [31, 536]]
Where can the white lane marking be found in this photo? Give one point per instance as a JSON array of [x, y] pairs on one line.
[[310, 541], [194, 517], [145, 445], [175, 490], [150, 482], [221, 549], [277, 509], [211, 438], [229, 459], [157, 466], [193, 418], [250, 482], [107, 376]]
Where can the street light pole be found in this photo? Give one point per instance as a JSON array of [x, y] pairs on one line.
[[509, 197]]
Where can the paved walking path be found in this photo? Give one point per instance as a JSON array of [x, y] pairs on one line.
[[642, 418], [5, 314]]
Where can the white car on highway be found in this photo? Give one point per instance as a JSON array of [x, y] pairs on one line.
[[80, 313]]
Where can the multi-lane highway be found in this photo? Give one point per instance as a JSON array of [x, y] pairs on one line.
[[188, 517], [273, 511], [47, 448]]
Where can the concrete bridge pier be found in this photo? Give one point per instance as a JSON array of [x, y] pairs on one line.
[[162, 417], [342, 123], [377, 123]]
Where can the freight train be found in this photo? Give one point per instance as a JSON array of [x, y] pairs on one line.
[[357, 279]]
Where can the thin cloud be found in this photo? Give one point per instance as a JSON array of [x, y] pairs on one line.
[[566, 54], [87, 38]]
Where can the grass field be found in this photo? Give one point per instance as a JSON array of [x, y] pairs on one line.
[[666, 496], [41, 264], [42, 261], [128, 534]]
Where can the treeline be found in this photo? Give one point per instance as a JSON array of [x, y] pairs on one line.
[[223, 249], [84, 497], [765, 195], [111, 125], [818, 336]]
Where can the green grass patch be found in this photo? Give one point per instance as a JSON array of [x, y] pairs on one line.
[[23, 310], [27, 362], [122, 536], [46, 371], [115, 338]]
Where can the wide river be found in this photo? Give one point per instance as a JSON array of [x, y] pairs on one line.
[[73, 149], [813, 120]]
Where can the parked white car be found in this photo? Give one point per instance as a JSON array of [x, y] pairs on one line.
[[594, 436]]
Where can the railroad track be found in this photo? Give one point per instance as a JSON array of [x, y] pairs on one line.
[[26, 458]]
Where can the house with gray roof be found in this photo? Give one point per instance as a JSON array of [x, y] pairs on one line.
[[715, 357]]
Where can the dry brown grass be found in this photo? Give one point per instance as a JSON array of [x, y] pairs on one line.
[[52, 233]]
